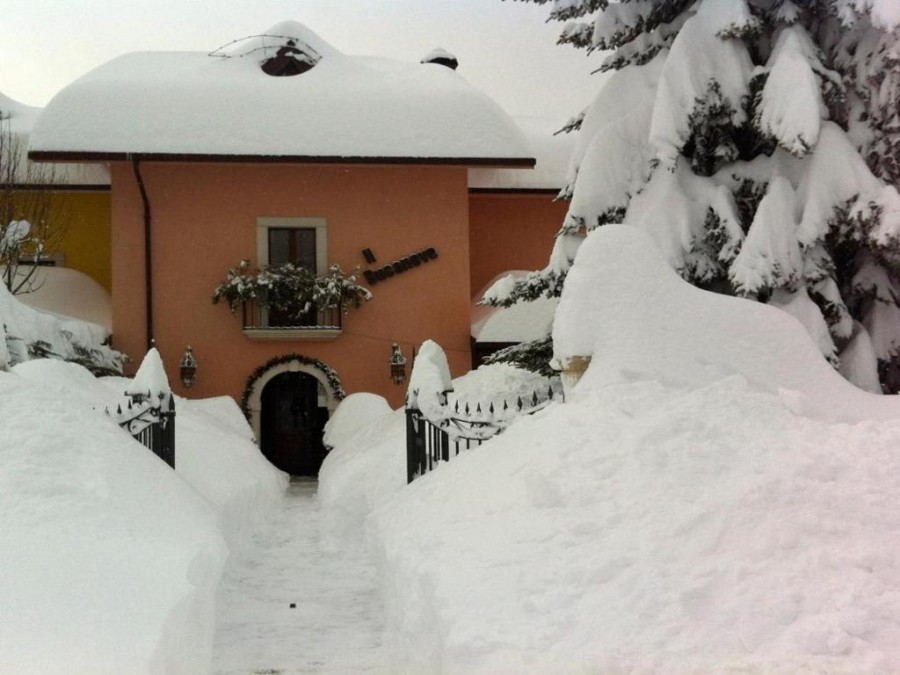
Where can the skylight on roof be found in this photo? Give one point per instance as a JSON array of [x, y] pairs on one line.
[[441, 57], [280, 55]]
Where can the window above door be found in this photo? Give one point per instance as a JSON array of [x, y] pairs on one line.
[[302, 241]]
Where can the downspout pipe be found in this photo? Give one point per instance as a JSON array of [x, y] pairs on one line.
[[148, 251]]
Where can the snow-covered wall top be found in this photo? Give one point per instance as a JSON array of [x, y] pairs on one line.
[[552, 152], [223, 104], [18, 119]]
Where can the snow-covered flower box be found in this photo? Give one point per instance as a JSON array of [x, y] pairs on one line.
[[288, 301]]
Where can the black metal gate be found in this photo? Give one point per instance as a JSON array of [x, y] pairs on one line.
[[428, 442], [152, 425]]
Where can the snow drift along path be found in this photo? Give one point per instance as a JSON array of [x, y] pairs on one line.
[[336, 625]]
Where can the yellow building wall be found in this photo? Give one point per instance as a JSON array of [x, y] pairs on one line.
[[86, 242]]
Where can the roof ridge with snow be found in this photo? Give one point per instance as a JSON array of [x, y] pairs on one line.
[[196, 105]]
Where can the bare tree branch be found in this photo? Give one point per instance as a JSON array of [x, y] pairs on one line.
[[26, 194]]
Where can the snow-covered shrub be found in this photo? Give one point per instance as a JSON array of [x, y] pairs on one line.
[[27, 333], [290, 289]]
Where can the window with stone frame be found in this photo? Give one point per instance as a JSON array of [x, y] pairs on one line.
[[300, 241]]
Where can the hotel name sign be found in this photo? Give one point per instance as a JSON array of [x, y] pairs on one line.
[[375, 276]]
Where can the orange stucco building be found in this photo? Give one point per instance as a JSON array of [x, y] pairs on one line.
[[206, 218], [401, 171], [511, 229]]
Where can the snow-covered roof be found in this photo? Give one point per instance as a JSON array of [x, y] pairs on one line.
[[18, 120], [522, 322], [71, 294], [552, 152], [18, 116], [184, 105]]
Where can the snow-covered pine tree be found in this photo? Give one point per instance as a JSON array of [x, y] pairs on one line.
[[758, 141]]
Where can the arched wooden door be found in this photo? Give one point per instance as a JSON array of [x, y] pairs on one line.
[[292, 423]]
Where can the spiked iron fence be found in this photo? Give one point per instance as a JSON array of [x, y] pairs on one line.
[[150, 423], [462, 426]]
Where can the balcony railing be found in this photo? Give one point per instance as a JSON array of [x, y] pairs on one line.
[[264, 324]]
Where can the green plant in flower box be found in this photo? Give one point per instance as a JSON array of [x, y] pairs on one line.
[[290, 289]]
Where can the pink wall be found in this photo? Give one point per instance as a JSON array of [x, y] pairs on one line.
[[204, 221], [511, 231]]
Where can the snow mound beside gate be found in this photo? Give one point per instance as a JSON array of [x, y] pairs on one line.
[[708, 507]]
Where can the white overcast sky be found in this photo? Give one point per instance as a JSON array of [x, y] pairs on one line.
[[505, 48]]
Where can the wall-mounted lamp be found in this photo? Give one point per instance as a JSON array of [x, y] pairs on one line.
[[398, 365], [188, 368]]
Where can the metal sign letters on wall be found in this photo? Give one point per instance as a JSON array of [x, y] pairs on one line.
[[400, 266]]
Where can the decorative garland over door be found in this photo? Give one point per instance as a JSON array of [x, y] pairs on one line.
[[250, 400]]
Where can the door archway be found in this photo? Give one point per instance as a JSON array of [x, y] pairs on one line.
[[292, 423], [287, 401]]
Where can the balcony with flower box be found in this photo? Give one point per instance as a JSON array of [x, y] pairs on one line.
[[289, 302]]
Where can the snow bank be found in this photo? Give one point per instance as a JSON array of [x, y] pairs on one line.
[[624, 305], [217, 456], [701, 504], [214, 448], [22, 327], [367, 466], [496, 382], [110, 559], [352, 414], [651, 529], [362, 472]]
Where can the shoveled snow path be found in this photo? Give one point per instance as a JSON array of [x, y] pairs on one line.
[[337, 622]]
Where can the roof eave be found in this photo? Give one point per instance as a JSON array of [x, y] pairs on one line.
[[83, 156], [480, 190], [57, 187]]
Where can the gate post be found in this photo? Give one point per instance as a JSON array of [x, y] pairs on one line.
[[166, 430], [415, 444]]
